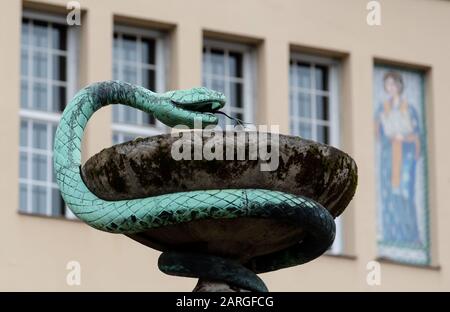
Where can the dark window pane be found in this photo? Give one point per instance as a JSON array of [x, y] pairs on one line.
[[39, 132], [57, 206], [58, 37], [235, 62], [217, 64], [116, 139], [59, 67], [53, 174], [322, 107], [292, 75], [148, 79], [40, 60], [304, 102], [148, 51], [321, 75], [23, 198], [130, 73], [291, 103], [323, 134], [39, 199], [25, 35], [129, 48], [148, 119], [116, 113], [39, 167], [24, 62], [129, 38], [130, 115], [305, 130], [116, 50], [235, 94], [24, 93], [218, 85], [52, 138], [40, 34], [303, 75], [205, 66], [59, 98], [39, 97], [23, 172], [23, 133], [115, 71]]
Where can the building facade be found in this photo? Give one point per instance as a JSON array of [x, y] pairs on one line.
[[324, 70]]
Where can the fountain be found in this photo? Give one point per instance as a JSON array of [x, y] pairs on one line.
[[221, 220]]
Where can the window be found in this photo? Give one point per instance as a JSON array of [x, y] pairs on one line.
[[314, 107], [138, 58], [228, 67], [313, 99], [47, 81]]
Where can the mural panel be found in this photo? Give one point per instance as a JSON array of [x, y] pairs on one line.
[[401, 165]]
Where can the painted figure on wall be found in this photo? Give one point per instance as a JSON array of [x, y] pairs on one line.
[[399, 133]]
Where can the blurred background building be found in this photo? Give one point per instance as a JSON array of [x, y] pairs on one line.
[[366, 76]]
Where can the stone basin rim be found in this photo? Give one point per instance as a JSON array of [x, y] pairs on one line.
[[330, 179]]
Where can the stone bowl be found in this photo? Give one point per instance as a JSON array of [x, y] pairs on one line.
[[146, 167]]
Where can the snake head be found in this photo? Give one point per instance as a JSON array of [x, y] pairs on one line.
[[183, 107]]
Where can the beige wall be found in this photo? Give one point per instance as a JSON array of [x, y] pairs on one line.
[[34, 250]]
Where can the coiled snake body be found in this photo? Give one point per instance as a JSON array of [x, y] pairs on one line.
[[136, 215]]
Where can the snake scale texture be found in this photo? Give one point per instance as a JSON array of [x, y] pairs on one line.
[[137, 215]]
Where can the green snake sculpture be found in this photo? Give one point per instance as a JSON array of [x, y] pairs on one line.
[[136, 215]]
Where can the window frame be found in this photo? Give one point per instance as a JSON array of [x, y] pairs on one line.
[[50, 118], [248, 73], [333, 66], [161, 68]]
